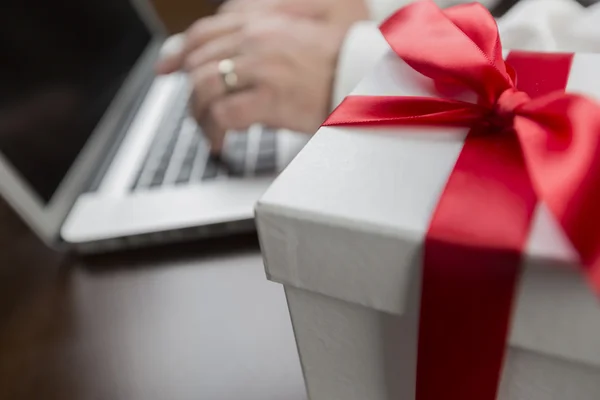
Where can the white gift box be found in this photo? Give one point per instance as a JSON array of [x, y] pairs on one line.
[[343, 226]]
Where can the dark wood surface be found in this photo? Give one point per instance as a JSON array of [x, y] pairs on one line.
[[178, 15], [194, 321]]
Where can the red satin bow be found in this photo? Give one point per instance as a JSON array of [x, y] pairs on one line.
[[529, 142]]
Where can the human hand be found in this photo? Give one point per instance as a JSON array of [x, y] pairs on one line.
[[285, 69], [339, 12]]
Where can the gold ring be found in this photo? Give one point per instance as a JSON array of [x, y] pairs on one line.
[[227, 71]]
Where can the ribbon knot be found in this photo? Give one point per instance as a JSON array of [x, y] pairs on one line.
[[507, 106]]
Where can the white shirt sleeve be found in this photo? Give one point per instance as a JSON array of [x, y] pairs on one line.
[[551, 25], [363, 46], [537, 25], [381, 9]]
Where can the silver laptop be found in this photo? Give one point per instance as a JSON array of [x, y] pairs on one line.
[[96, 152]]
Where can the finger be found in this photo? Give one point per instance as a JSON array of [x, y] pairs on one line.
[[299, 9], [242, 109], [169, 64], [227, 46], [171, 55], [207, 29], [179, 47], [214, 133], [208, 82]]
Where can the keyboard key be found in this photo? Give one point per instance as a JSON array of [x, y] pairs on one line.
[[266, 165], [235, 153], [176, 158], [211, 169], [268, 135], [185, 174], [236, 142], [165, 159], [187, 165], [151, 164], [266, 160], [234, 162], [152, 171]]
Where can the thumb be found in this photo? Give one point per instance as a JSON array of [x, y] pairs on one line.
[[171, 55]]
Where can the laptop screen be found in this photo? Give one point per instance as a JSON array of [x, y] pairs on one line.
[[63, 62]]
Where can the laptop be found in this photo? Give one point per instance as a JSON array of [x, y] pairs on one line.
[[98, 153]]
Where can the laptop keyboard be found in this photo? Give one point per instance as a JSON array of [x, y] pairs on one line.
[[179, 154]]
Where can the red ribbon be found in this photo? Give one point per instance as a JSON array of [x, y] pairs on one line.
[[527, 143]]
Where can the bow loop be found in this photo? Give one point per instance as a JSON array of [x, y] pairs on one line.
[[468, 30]]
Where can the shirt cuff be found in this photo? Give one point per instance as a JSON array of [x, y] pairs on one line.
[[363, 47], [381, 9], [551, 25]]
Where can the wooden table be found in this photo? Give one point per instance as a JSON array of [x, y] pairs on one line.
[[178, 15], [186, 322]]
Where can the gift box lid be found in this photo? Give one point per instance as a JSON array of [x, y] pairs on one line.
[[348, 217]]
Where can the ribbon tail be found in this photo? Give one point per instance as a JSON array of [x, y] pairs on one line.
[[394, 110], [471, 269]]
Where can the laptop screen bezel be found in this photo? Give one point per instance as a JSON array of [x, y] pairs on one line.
[[46, 218]]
